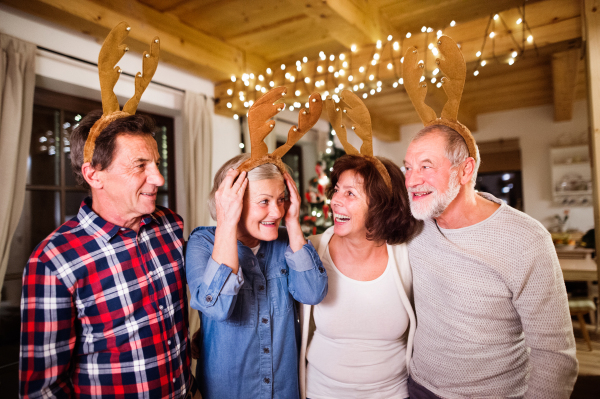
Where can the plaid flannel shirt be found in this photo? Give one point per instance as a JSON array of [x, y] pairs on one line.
[[104, 311]]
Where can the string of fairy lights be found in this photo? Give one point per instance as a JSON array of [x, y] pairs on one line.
[[368, 70]]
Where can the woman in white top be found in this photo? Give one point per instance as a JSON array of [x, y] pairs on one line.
[[357, 342]]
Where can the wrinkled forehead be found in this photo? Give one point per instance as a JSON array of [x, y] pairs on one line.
[[431, 146], [136, 146]]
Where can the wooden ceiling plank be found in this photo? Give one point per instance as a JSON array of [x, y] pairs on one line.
[[359, 14], [190, 49], [565, 66]]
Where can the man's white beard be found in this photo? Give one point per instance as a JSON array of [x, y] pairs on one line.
[[437, 204]]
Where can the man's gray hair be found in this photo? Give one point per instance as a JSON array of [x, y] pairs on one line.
[[456, 147], [262, 172]]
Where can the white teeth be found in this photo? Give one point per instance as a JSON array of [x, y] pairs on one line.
[[342, 218], [421, 194], [268, 223]]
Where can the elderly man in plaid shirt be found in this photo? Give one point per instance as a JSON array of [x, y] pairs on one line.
[[104, 297]]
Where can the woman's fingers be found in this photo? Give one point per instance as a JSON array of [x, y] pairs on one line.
[[242, 189], [238, 183], [229, 178], [291, 186]]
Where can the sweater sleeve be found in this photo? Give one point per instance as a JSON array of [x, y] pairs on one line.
[[540, 298]]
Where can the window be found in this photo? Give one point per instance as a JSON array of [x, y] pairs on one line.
[[52, 194]]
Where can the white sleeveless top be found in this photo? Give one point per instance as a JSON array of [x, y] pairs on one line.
[[358, 349]]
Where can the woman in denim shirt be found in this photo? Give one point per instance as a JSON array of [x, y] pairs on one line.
[[244, 276]]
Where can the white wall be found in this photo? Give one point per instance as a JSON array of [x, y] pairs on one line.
[[536, 130]]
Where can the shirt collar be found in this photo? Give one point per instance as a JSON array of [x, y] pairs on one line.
[[99, 228]]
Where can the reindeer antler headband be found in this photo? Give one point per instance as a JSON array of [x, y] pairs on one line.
[[111, 52], [260, 125], [353, 107], [455, 70]]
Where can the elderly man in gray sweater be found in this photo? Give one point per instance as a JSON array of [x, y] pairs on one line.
[[492, 314]]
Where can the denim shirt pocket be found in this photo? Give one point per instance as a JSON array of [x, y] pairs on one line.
[[277, 283], [245, 310]]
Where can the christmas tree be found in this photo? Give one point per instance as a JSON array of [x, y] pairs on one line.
[[316, 215]]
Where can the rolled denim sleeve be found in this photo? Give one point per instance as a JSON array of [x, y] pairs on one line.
[[307, 281], [213, 286]]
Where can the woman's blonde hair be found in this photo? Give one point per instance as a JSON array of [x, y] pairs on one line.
[[262, 172]]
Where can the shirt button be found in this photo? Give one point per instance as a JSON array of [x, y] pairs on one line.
[[260, 256], [266, 380], [122, 228], [169, 342], [261, 287], [161, 307], [266, 350], [150, 273], [265, 320], [208, 298], [321, 270], [174, 379], [283, 271]]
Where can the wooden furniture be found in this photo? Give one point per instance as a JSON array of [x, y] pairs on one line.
[[581, 307], [578, 265]]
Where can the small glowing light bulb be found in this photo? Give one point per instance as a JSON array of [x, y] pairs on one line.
[[452, 23], [353, 48], [496, 17], [408, 35], [390, 66]]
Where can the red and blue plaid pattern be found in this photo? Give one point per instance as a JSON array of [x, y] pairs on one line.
[[104, 311]]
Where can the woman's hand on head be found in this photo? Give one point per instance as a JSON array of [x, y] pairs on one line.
[[229, 198], [292, 216]]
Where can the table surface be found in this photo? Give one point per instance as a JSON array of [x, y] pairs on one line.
[[579, 269]]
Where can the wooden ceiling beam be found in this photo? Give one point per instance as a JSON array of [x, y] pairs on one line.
[[348, 22], [565, 68], [410, 15], [181, 45]]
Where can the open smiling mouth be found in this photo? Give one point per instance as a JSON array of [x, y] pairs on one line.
[[149, 194], [268, 224], [420, 194], [341, 218]]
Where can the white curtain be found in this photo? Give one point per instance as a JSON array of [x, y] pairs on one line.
[[197, 161], [17, 84]]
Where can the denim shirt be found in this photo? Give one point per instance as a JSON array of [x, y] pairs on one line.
[[250, 336]]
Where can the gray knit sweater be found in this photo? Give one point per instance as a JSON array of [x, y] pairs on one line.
[[492, 312]]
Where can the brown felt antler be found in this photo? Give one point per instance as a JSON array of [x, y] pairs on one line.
[[353, 107], [454, 68], [260, 125], [111, 52]]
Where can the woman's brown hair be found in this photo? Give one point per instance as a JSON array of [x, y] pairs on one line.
[[388, 218]]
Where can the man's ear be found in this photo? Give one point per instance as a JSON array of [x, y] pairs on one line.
[[92, 176], [467, 170]]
